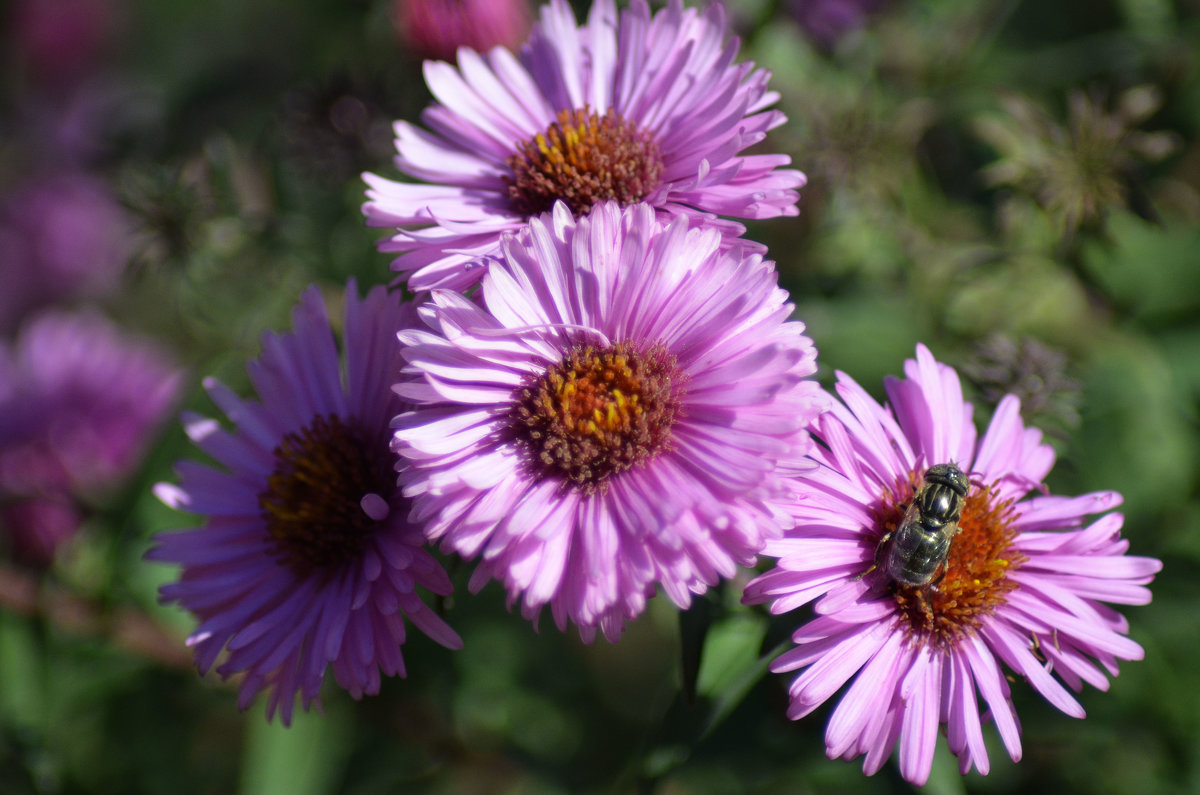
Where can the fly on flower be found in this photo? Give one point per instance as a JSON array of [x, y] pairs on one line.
[[921, 543], [1024, 582]]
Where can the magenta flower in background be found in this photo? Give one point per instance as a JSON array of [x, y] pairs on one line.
[[306, 559], [616, 410], [635, 108], [437, 28], [62, 237], [827, 21], [79, 404], [1024, 585], [35, 528], [60, 42]]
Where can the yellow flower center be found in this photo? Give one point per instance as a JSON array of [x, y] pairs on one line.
[[974, 580], [583, 158], [598, 412]]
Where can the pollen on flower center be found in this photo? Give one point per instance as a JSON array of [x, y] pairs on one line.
[[313, 503], [598, 412], [975, 578], [583, 158]]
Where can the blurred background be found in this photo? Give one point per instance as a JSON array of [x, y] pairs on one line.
[[1015, 183]]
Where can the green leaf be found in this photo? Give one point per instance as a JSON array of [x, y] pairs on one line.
[[22, 698], [694, 624], [1136, 436], [733, 666], [1151, 269]]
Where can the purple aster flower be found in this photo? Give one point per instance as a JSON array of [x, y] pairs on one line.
[[79, 403], [640, 108], [307, 558], [616, 409], [1023, 585]]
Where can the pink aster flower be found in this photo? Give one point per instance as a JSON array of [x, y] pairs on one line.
[[1023, 586], [636, 108], [615, 410], [80, 402], [306, 559]]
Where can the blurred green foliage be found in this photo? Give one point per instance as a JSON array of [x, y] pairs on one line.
[[999, 170]]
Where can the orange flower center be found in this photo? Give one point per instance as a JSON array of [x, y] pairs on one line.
[[598, 412], [974, 580]]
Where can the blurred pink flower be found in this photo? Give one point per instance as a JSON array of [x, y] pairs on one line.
[[35, 527], [62, 237], [437, 28], [826, 21], [61, 41], [79, 402]]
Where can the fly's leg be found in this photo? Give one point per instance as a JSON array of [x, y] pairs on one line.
[[878, 547]]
